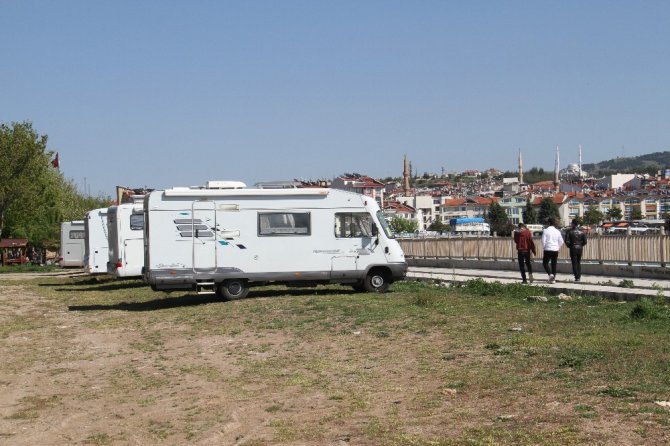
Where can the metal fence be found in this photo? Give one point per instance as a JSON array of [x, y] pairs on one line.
[[626, 249]]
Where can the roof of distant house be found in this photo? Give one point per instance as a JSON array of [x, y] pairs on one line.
[[362, 181], [400, 207], [13, 242]]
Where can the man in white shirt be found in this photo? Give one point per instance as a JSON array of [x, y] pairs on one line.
[[552, 240]]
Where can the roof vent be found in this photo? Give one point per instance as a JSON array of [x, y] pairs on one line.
[[225, 185]]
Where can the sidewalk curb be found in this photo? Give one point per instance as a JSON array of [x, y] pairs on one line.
[[606, 292]]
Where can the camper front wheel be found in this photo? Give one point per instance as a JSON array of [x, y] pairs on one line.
[[377, 281], [233, 289]]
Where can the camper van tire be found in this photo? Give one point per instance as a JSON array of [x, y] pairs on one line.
[[233, 289], [377, 281]]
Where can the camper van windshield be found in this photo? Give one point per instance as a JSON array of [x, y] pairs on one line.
[[385, 224]]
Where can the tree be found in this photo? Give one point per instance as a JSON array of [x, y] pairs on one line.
[[497, 219], [438, 226], [636, 214], [593, 216], [399, 224], [34, 197], [548, 209], [25, 162], [614, 213], [529, 215]]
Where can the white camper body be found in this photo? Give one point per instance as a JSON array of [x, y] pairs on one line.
[[224, 240], [72, 243], [125, 224], [96, 253]]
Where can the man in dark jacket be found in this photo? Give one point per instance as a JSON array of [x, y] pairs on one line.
[[524, 246], [575, 239]]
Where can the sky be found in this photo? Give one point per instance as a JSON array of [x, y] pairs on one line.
[[175, 93]]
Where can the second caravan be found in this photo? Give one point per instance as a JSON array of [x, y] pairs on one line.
[[125, 224], [72, 243], [96, 248], [224, 238]]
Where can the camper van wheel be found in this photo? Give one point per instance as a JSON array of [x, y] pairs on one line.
[[233, 289], [377, 281]]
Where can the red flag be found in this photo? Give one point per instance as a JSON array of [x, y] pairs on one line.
[[54, 162]]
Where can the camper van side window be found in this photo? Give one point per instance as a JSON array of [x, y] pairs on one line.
[[283, 223], [77, 235], [136, 222], [358, 224]]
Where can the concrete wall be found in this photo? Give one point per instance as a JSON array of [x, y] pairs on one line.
[[592, 269]]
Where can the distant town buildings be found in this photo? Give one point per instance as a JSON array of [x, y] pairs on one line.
[[471, 193]]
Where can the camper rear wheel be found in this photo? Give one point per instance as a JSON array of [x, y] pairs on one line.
[[377, 281], [233, 289]]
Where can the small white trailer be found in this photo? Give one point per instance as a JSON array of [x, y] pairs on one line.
[[125, 225], [223, 238], [72, 243], [96, 254]]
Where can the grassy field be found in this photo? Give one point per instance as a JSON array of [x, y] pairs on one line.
[[90, 361]]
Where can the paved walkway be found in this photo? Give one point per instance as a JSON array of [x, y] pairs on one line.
[[603, 286]]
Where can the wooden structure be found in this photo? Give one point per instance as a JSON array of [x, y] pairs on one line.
[[602, 249], [14, 251]]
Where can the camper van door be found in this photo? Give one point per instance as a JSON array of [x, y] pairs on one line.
[[354, 237], [203, 235]]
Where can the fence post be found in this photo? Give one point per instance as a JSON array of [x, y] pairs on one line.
[[495, 257], [662, 242], [628, 247], [463, 245], [449, 245], [600, 248], [478, 243]]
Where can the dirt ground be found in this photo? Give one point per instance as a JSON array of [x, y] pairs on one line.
[[112, 374]]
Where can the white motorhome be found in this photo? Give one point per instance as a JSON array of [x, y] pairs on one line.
[[96, 253], [125, 224], [224, 238], [72, 243], [535, 229]]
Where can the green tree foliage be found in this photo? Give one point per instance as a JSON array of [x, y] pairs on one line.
[[529, 215], [35, 200], [534, 175], [438, 226], [614, 213], [25, 161], [649, 163], [636, 214], [593, 215], [497, 219], [400, 224], [548, 209]]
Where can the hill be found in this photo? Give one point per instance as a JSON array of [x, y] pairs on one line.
[[649, 163]]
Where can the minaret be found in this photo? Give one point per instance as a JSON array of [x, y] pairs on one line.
[[557, 181], [405, 177], [520, 167], [580, 161]]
